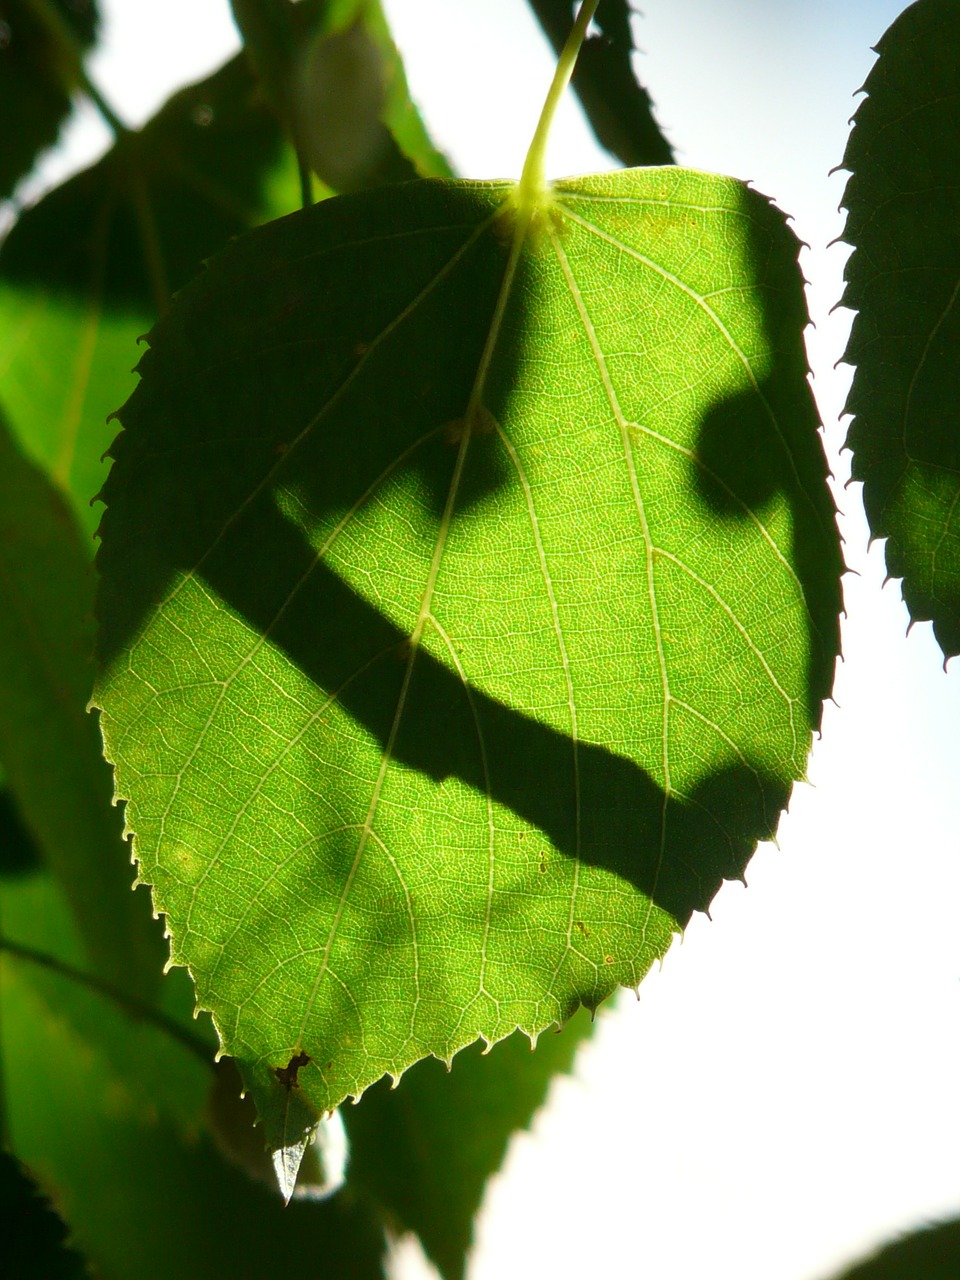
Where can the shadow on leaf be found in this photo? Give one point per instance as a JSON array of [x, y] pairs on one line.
[[305, 314]]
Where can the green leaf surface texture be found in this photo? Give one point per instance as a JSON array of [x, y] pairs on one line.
[[470, 587], [616, 103], [73, 302], [425, 1149], [903, 280], [50, 750], [144, 1197], [38, 76]]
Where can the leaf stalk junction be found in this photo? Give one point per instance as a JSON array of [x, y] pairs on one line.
[[531, 194]]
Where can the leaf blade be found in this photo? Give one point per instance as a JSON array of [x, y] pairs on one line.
[[449, 620]]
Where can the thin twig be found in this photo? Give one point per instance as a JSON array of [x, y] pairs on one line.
[[138, 1009]]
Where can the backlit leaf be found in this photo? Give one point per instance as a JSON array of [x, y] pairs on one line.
[[903, 280], [470, 590]]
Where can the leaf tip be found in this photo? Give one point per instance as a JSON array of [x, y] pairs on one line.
[[286, 1165]]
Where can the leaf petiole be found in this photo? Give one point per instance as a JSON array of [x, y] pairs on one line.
[[72, 63], [533, 180]]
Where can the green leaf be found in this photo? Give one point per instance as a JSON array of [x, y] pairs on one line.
[[903, 280], [333, 74], [470, 586], [50, 748], [426, 1149], [616, 104], [151, 1042], [41, 44], [143, 1200], [83, 273]]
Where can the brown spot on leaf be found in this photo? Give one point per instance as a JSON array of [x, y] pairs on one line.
[[288, 1075]]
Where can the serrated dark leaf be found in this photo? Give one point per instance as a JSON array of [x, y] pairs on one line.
[[903, 281]]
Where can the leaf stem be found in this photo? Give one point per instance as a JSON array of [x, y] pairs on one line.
[[533, 180], [306, 180], [129, 1004], [72, 67]]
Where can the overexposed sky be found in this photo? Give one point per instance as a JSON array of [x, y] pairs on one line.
[[783, 1095]]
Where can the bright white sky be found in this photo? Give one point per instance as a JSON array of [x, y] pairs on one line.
[[784, 1095]]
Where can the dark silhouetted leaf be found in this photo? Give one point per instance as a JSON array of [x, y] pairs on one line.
[[33, 1238], [470, 589], [41, 43], [617, 105], [932, 1253], [903, 280]]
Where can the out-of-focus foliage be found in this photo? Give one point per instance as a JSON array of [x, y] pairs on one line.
[[42, 43]]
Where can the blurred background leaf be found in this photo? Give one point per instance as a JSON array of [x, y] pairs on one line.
[[334, 76], [33, 1242], [41, 45], [144, 1199], [933, 1253], [50, 748], [425, 1150], [209, 165]]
